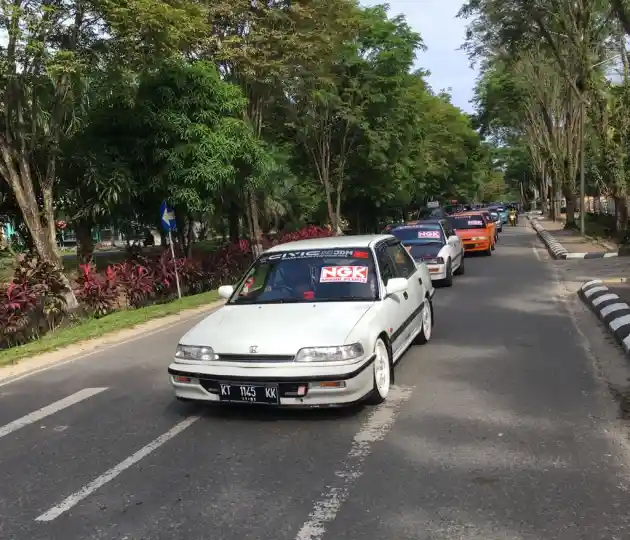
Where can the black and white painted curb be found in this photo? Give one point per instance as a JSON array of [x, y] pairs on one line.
[[558, 250], [610, 309]]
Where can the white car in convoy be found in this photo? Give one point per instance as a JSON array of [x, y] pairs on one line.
[[434, 242], [318, 322]]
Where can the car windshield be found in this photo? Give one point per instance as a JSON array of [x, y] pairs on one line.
[[331, 275], [429, 233], [494, 215], [422, 251], [467, 222]]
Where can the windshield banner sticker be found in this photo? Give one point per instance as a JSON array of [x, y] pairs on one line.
[[344, 274], [312, 254], [476, 222], [428, 234]]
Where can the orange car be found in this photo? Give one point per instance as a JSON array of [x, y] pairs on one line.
[[475, 231], [491, 223]]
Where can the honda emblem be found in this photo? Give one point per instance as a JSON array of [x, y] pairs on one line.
[[253, 349]]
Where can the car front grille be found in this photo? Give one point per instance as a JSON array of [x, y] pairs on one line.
[[255, 358]]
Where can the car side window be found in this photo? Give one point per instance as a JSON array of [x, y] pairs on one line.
[[448, 230], [405, 266], [385, 265]]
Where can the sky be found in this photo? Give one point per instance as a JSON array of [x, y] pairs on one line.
[[442, 34]]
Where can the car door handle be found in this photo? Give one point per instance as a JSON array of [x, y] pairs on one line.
[[405, 295]]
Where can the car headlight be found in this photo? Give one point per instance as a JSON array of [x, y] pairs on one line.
[[437, 260], [330, 354], [479, 238], [190, 354]]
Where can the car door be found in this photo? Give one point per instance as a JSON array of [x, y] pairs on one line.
[[405, 267], [394, 308], [455, 245]]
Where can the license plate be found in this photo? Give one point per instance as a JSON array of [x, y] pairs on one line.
[[249, 393]]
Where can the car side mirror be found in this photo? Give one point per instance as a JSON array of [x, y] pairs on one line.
[[396, 285], [225, 291]]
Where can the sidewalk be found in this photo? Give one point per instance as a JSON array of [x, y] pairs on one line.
[[572, 240]]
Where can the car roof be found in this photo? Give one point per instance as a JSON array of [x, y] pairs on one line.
[[434, 221], [332, 242], [470, 213]]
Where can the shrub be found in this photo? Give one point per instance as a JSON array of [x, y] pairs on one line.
[[47, 282], [136, 281], [17, 306], [98, 293]]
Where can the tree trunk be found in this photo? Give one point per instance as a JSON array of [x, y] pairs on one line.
[[190, 236], [234, 222], [255, 222], [621, 218], [85, 245], [570, 221]]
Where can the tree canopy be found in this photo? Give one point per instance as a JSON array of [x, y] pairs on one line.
[[247, 118], [553, 94]]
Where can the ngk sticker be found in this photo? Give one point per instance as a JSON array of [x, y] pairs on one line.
[[344, 274]]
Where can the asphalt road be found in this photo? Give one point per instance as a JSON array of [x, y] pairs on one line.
[[497, 429]]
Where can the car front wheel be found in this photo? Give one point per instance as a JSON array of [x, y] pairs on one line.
[[426, 323], [382, 373]]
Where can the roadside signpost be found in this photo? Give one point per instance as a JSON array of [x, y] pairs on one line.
[[169, 223]]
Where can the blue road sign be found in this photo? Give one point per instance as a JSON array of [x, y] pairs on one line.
[[167, 216]]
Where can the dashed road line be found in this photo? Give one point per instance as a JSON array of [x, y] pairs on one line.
[[374, 429], [112, 473], [53, 408]]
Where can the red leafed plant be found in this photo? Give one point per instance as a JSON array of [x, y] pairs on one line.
[[97, 292], [312, 231], [17, 303], [136, 281]]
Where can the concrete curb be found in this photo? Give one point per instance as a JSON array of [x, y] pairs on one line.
[[558, 251], [610, 309]]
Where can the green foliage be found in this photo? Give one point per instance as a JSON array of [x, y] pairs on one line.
[[244, 118]]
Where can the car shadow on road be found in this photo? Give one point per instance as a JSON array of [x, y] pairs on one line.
[[258, 413]]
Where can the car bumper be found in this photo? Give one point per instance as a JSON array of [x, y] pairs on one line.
[[203, 384], [437, 271], [477, 245]]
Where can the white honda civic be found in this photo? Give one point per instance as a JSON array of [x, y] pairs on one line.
[[318, 322]]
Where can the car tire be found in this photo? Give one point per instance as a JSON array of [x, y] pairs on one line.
[[488, 251], [426, 323], [460, 271], [382, 373], [448, 280]]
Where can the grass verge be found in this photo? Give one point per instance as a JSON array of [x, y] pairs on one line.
[[93, 328]]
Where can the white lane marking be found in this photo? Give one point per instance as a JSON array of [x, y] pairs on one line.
[[53, 408], [613, 307], [535, 250], [603, 298], [374, 429], [77, 497]]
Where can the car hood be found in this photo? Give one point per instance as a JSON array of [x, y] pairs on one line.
[[277, 329]]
